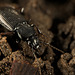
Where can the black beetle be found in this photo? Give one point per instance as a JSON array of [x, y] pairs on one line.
[[15, 22], [12, 20]]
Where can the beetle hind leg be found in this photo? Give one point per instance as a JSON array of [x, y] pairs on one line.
[[6, 33]]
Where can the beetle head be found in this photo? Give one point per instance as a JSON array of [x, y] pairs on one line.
[[33, 41]]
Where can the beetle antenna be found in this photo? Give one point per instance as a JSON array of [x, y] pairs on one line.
[[55, 48], [52, 47], [47, 43]]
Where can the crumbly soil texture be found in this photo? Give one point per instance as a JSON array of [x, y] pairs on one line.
[[56, 55]]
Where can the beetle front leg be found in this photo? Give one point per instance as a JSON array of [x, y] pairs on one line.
[[36, 60], [22, 10], [36, 28]]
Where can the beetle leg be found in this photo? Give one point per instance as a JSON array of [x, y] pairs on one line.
[[29, 21], [37, 60], [7, 33], [22, 10], [38, 30]]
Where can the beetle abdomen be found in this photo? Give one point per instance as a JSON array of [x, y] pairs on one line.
[[11, 17]]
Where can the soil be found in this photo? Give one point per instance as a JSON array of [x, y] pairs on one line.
[[56, 20]]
